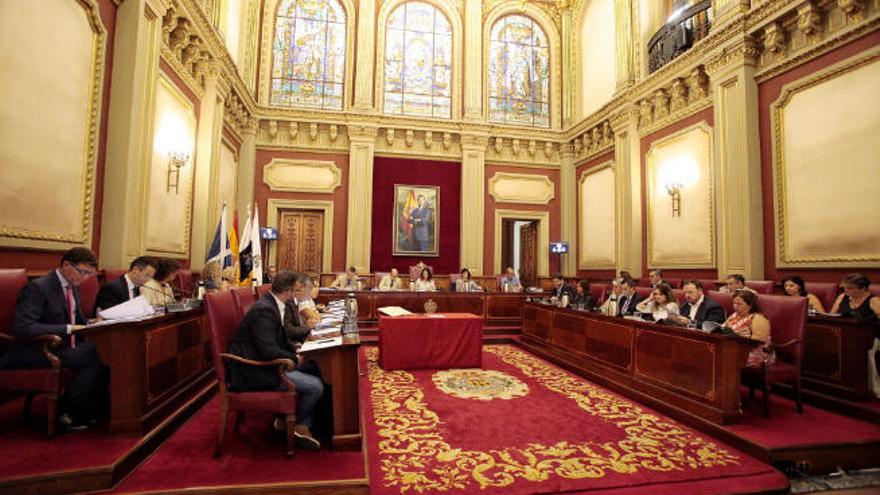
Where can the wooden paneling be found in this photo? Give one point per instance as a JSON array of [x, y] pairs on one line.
[[528, 253], [836, 357]]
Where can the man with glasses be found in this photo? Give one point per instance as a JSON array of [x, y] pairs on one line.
[[128, 286], [50, 305]]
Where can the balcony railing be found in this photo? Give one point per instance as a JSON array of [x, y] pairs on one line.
[[679, 34]]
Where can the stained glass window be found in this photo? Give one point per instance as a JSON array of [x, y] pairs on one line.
[[519, 73], [418, 62], [308, 66]]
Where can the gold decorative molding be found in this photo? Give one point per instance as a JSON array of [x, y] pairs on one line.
[[534, 189], [684, 97], [310, 176]]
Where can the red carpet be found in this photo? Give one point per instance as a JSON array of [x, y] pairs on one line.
[[253, 456], [522, 425], [28, 451]]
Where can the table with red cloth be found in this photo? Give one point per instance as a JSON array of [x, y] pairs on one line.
[[441, 341]]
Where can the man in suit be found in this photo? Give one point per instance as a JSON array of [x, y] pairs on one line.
[[390, 281], [420, 219], [140, 271], [655, 276], [50, 305], [262, 336], [560, 288], [626, 303], [698, 307], [347, 280], [511, 281]]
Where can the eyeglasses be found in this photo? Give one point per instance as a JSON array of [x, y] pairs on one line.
[[83, 272]]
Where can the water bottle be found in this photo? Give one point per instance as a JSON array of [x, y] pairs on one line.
[[505, 287], [201, 290], [563, 303], [351, 314]]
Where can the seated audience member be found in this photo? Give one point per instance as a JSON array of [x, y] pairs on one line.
[[582, 298], [734, 283], [425, 283], [655, 276], [128, 286], [856, 300], [228, 278], [628, 299], [159, 291], [262, 336], [211, 276], [269, 276], [50, 305], [510, 282], [560, 288], [795, 286], [347, 280], [307, 310], [391, 281], [465, 282], [747, 321], [661, 303], [698, 307], [609, 307]]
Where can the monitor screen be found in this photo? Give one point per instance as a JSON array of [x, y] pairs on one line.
[[268, 233], [558, 247]]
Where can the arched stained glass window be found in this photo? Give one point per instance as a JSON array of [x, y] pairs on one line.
[[308, 66], [519, 73], [418, 62]]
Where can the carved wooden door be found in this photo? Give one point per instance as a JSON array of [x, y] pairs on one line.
[[301, 240], [528, 253]]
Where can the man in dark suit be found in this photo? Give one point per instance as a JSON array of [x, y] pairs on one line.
[[128, 286], [626, 303], [262, 336], [50, 305], [655, 276], [560, 288], [698, 307], [420, 219]]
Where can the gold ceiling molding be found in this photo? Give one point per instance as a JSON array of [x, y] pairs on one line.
[[593, 142], [532, 189], [784, 257], [306, 136], [683, 97], [309, 176], [82, 234]]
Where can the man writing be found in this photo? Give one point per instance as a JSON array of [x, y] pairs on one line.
[[698, 307]]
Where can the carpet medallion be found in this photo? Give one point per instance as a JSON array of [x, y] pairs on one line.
[[554, 432]]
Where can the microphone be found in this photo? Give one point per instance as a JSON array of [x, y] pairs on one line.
[[143, 286]]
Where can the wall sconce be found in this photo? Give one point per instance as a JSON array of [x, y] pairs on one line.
[[674, 191], [176, 160]]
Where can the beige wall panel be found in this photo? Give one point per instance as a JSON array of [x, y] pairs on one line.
[[226, 182], [598, 234], [168, 212], [47, 52], [597, 61], [687, 240], [312, 176], [521, 188], [827, 151]]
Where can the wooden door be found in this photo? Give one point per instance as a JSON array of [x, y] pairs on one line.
[[301, 240], [507, 225], [528, 253]]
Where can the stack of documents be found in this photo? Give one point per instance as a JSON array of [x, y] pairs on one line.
[[133, 308], [394, 311]]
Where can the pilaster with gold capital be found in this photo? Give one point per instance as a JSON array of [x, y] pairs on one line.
[[247, 156], [473, 199], [362, 142], [737, 159], [366, 47], [568, 206], [628, 188], [473, 60], [568, 68]]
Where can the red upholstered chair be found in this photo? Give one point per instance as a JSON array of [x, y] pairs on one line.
[[453, 277], [643, 282], [724, 299], [416, 270], [112, 274], [88, 293], [761, 286], [709, 284], [377, 278], [825, 291], [678, 294], [184, 283], [263, 289], [597, 293], [674, 282], [244, 298], [31, 382], [644, 292], [874, 289], [788, 317], [222, 322]]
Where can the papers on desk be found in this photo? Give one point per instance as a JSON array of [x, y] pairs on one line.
[[394, 311], [312, 345], [326, 331], [133, 308], [435, 315]]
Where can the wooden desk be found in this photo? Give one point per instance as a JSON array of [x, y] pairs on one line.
[[686, 369], [339, 368], [836, 357], [155, 366]]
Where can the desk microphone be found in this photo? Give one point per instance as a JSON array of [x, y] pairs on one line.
[[142, 286]]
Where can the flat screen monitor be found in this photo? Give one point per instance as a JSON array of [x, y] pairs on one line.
[[268, 233], [558, 247]]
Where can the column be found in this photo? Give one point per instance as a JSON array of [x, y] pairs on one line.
[[568, 207], [473, 60], [135, 62], [568, 68], [738, 160], [623, 17], [206, 211], [628, 183], [366, 46], [247, 157], [360, 197], [473, 200]]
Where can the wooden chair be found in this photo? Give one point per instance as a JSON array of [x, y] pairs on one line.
[[222, 321], [31, 381], [788, 318], [244, 298]]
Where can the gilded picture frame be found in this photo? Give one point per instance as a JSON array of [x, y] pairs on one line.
[[416, 220]]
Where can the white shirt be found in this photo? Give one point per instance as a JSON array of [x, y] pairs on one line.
[[694, 307], [280, 303], [64, 284], [130, 285]]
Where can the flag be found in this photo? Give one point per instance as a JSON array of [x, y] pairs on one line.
[[219, 251], [233, 244], [256, 249], [408, 207], [245, 263]]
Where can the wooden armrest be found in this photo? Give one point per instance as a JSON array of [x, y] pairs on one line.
[[285, 363], [6, 337], [787, 344]]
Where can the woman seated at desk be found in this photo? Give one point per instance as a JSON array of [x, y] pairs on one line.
[[425, 283], [582, 298], [857, 301], [747, 321], [308, 310], [660, 303], [795, 286], [465, 282], [159, 291]]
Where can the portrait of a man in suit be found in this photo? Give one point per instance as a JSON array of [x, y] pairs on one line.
[[416, 220]]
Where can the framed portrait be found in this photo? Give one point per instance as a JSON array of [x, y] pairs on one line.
[[416, 220]]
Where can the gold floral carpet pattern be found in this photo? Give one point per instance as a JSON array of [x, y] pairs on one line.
[[479, 384], [413, 455]]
